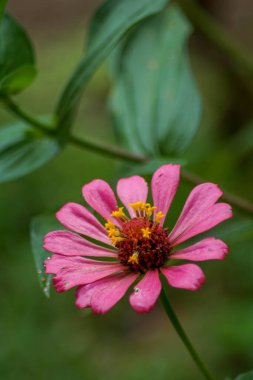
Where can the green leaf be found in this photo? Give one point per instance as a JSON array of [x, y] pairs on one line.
[[23, 150], [235, 231], [150, 167], [155, 103], [17, 62], [40, 226], [111, 22], [2, 7], [245, 376], [17, 80]]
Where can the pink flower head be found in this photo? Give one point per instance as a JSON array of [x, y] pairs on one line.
[[135, 245]]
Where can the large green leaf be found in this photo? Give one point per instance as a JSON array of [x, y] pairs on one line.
[[245, 376], [40, 226], [111, 22], [23, 150], [17, 62], [155, 102]]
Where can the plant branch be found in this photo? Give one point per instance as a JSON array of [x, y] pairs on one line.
[[237, 54], [187, 176], [186, 341], [121, 154], [17, 111], [108, 150]]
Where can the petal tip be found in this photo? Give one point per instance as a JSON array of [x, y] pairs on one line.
[[58, 284]]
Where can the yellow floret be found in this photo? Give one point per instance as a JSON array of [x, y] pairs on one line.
[[119, 214], [146, 232], [109, 225], [113, 232], [159, 216], [137, 205], [116, 239], [143, 209], [149, 209], [134, 258]]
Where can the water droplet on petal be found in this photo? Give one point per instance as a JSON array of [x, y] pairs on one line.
[[136, 290]]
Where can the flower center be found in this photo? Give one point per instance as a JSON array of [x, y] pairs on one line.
[[142, 243]]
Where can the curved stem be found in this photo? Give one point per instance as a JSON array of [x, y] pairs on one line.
[[179, 329], [119, 153], [108, 150], [187, 176], [16, 110]]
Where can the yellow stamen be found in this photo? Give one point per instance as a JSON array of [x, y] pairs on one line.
[[134, 258], [149, 210], [114, 232], [116, 239], [159, 216], [146, 232], [109, 225], [137, 207], [119, 214], [143, 209]]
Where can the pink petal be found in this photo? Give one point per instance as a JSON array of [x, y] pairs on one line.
[[206, 249], [216, 214], [164, 186], [131, 190], [102, 295], [187, 276], [146, 292], [79, 219], [67, 278], [84, 294], [70, 244], [73, 271], [99, 195], [200, 213], [55, 263]]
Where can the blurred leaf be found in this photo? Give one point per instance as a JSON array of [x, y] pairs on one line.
[[17, 63], [40, 226], [235, 231], [23, 150], [245, 376], [19, 79], [151, 166], [155, 102], [3, 4], [243, 141], [111, 22]]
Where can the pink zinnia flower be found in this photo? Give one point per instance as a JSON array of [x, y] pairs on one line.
[[140, 247]]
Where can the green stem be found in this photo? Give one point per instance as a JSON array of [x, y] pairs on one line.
[[237, 54], [108, 150], [179, 329], [16, 110], [119, 153]]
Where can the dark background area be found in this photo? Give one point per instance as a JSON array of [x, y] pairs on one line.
[[50, 339]]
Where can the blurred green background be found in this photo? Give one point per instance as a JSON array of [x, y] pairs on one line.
[[50, 339]]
